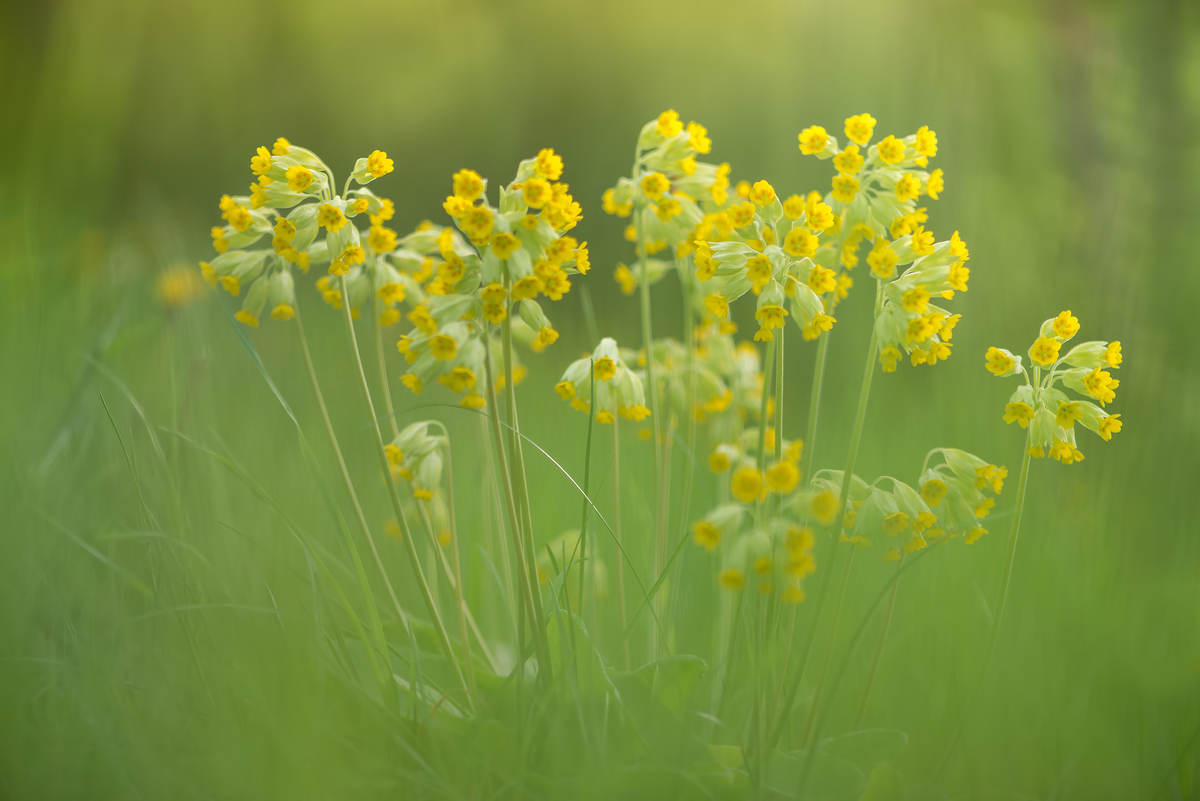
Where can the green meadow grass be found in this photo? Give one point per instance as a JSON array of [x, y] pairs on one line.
[[179, 610]]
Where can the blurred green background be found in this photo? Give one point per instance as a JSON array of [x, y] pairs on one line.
[[135, 663]]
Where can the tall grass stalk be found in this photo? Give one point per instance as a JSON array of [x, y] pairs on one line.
[[864, 395], [397, 508], [622, 616], [883, 635]]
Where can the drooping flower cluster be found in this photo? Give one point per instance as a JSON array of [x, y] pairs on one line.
[[618, 389], [291, 177], [874, 199], [415, 455], [1050, 413], [499, 257]]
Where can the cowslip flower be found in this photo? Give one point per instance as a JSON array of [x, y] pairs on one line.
[[1043, 408]]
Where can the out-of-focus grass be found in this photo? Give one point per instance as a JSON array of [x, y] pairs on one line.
[[162, 632]]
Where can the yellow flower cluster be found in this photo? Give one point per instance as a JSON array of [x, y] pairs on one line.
[[1047, 411], [604, 380]]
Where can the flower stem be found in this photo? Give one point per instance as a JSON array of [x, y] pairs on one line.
[[779, 409], [768, 366], [397, 508], [814, 405], [847, 479], [620, 563], [1022, 483], [883, 634], [513, 517], [837, 619]]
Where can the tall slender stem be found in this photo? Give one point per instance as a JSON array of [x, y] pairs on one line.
[[337, 451], [883, 634], [833, 632], [397, 508], [1009, 558], [620, 563], [847, 480], [779, 408], [807, 462], [768, 365], [587, 476], [513, 518]]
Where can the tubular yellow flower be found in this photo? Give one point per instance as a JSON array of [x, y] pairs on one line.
[[698, 138], [1065, 452], [915, 300], [718, 462], [669, 124], [283, 312], [818, 215], [549, 164], [800, 243], [825, 507], [845, 187], [732, 579], [771, 317], [245, 317], [1018, 412], [813, 140], [895, 523], [859, 129], [908, 187], [782, 477], [922, 241], [820, 323], [260, 163], [882, 259], [604, 368], [926, 143], [821, 280], [793, 207], [762, 193], [281, 147], [746, 484], [716, 305], [625, 278], [888, 357], [933, 491], [849, 161], [412, 382], [381, 240], [299, 178], [758, 269], [1068, 413], [706, 535], [536, 193], [1065, 326], [378, 164], [1044, 351], [741, 215], [477, 223], [1108, 426], [891, 150], [935, 185], [1112, 355], [668, 208], [655, 185], [331, 218]]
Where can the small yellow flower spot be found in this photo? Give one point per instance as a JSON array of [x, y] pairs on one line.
[[800, 243], [536, 192], [732, 579], [281, 147], [655, 185], [604, 369], [1018, 412], [283, 312], [549, 165], [330, 217], [859, 129], [908, 187], [825, 507], [936, 184], [782, 477], [504, 245], [1044, 351], [412, 382], [260, 163], [1065, 325], [882, 259], [849, 161], [762, 193], [746, 484], [1000, 363], [299, 178], [698, 138], [718, 462], [378, 164], [565, 390], [1108, 426], [718, 306], [706, 535], [741, 215], [888, 358], [933, 491], [443, 347], [845, 187], [669, 124], [915, 300], [626, 279], [813, 140], [1112, 355], [246, 317], [926, 143], [1068, 413]]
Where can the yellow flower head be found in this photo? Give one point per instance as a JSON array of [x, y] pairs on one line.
[[378, 164], [669, 124], [732, 579], [443, 347], [762, 193], [793, 207], [933, 491], [706, 535], [758, 269], [1018, 412], [536, 192], [746, 484], [655, 185], [668, 209], [908, 187], [718, 306], [895, 523], [626, 279], [549, 164], [771, 317], [741, 215], [882, 259], [1068, 413], [1112, 355], [260, 163], [849, 161], [915, 300], [604, 368], [926, 143], [922, 241], [891, 150], [825, 507], [813, 140], [381, 240], [718, 461], [845, 187], [1065, 326], [477, 223], [821, 280], [888, 357], [698, 138], [299, 178], [1065, 452], [936, 184], [1044, 351], [782, 477], [331, 218], [799, 243], [1108, 426], [818, 215], [859, 129], [468, 185]]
